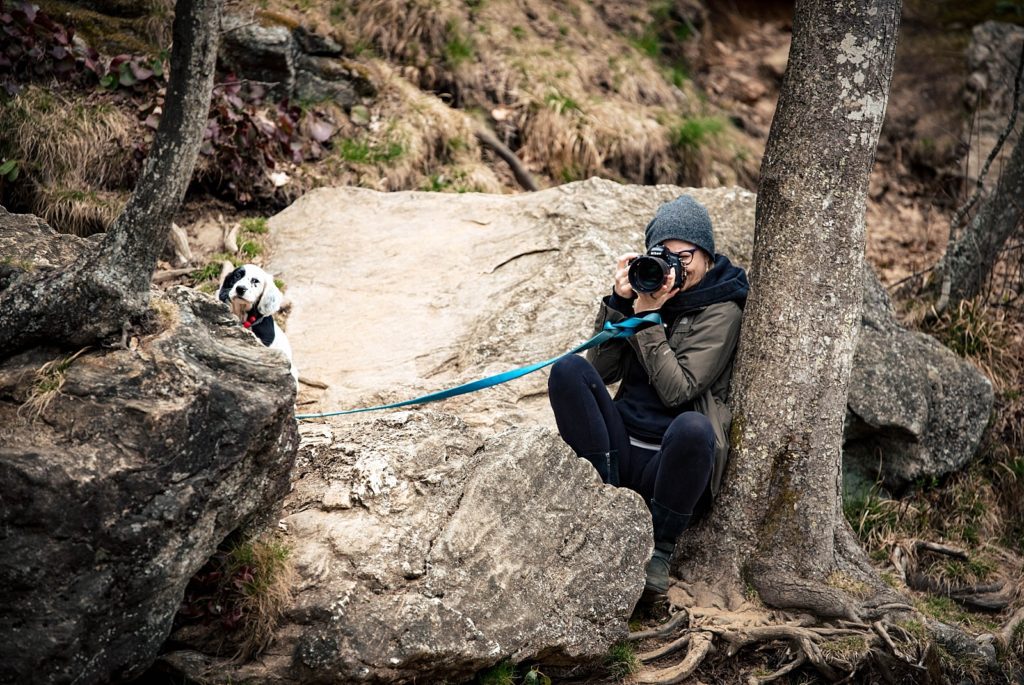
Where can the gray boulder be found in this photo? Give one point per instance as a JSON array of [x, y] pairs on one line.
[[426, 552], [292, 62], [915, 409], [123, 471]]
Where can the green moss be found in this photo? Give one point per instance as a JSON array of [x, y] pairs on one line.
[[251, 249], [256, 225], [360, 151], [694, 132], [621, 661], [459, 48], [561, 103]]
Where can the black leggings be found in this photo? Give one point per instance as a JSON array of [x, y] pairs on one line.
[[676, 475]]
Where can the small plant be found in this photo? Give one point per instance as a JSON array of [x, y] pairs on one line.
[[458, 49], [694, 132], [501, 674], [622, 661], [257, 225], [561, 103], [251, 249], [359, 151], [35, 47], [9, 170], [134, 72], [48, 383], [244, 589], [535, 677]]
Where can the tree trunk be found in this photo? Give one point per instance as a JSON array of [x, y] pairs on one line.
[[973, 256], [101, 295], [778, 524]]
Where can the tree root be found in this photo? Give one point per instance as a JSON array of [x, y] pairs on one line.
[[838, 649], [700, 645]]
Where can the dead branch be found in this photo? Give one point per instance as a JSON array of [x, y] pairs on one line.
[[170, 274], [523, 176], [947, 550], [700, 645]]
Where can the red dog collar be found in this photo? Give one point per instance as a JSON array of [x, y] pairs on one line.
[[250, 321]]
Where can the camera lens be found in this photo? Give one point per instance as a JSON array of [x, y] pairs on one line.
[[647, 274]]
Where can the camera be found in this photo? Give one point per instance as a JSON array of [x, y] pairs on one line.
[[647, 272]]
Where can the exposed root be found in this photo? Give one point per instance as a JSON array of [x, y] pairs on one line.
[[838, 649], [700, 645]]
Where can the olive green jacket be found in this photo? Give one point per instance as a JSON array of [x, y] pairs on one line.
[[692, 363]]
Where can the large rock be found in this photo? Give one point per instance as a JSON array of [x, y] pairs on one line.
[[436, 289], [425, 552], [291, 61], [119, 489], [915, 408]]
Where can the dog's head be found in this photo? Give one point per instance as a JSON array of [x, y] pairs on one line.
[[249, 287]]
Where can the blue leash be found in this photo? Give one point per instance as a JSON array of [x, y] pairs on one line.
[[622, 329]]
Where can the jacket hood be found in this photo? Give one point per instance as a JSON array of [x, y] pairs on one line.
[[726, 282]]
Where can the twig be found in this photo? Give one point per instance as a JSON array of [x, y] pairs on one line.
[[313, 383], [700, 645], [818, 659], [884, 634], [947, 550], [911, 277], [800, 660], [170, 274], [662, 630]]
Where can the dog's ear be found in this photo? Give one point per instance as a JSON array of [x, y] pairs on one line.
[[224, 294], [271, 299]]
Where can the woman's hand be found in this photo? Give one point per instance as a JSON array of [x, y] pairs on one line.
[[622, 287], [651, 302]]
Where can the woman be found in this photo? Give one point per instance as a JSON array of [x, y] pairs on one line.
[[664, 434]]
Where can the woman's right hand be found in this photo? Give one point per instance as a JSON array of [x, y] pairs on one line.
[[622, 287]]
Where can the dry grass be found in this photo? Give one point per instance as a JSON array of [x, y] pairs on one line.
[[78, 156], [49, 379], [560, 82], [264, 576]]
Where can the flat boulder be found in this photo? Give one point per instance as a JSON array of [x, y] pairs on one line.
[[438, 289], [426, 552]]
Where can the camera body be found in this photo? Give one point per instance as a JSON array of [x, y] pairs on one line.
[[647, 272]]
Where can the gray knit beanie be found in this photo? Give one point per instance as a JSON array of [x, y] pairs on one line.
[[682, 219]]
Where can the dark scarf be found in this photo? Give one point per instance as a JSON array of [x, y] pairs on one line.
[[723, 283]]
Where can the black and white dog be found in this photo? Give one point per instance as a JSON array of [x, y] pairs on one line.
[[254, 298]]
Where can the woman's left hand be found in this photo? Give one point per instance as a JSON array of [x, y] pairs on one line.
[[652, 302]]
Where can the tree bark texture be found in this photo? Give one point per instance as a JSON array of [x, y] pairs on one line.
[[100, 295], [778, 524], [974, 255]]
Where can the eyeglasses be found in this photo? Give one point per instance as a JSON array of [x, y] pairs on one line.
[[685, 256]]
